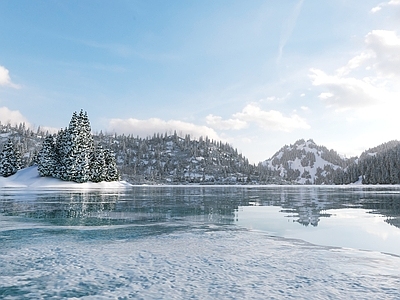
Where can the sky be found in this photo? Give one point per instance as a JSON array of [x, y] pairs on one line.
[[256, 74]]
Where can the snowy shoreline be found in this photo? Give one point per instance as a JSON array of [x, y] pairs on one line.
[[29, 178]]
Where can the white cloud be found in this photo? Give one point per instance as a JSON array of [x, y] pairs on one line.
[[150, 126], [5, 79], [230, 124], [376, 9], [385, 45], [324, 96], [12, 116], [355, 63], [381, 59], [345, 92], [268, 120], [50, 130], [271, 120], [383, 4]]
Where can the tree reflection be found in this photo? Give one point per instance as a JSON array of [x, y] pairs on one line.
[[196, 204]]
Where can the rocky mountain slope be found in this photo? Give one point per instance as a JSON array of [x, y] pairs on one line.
[[305, 162]]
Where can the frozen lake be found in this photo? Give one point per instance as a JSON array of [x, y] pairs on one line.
[[199, 242]]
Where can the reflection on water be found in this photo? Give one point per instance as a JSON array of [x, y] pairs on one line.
[[141, 205], [305, 205]]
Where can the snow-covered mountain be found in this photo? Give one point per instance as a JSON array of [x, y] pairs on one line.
[[305, 162]]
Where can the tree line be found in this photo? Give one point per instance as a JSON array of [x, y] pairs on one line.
[[75, 154]]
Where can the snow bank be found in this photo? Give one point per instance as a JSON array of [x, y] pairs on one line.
[[29, 178]]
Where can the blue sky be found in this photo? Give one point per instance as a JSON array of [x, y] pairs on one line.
[[256, 74]]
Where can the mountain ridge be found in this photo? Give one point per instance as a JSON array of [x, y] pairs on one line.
[[171, 159]]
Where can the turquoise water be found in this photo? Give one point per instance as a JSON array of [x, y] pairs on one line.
[[201, 243]]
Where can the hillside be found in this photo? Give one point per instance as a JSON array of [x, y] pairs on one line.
[[305, 162], [161, 159], [378, 165], [171, 159]]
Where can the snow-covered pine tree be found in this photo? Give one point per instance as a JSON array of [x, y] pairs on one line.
[[71, 158], [86, 132], [70, 155], [62, 148], [85, 148], [10, 159], [46, 158], [98, 167], [74, 149], [112, 171]]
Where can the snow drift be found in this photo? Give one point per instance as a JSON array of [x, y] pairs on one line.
[[29, 178]]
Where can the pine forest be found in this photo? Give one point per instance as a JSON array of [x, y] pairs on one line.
[[76, 154]]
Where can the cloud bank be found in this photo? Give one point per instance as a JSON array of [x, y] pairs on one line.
[[230, 124], [12, 117], [379, 63], [271, 120], [382, 5], [385, 46], [144, 128], [5, 79]]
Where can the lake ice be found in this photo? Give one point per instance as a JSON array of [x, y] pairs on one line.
[[201, 243]]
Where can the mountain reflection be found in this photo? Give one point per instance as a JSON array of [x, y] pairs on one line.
[[202, 204], [307, 205]]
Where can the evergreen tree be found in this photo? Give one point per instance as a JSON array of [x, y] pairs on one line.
[[111, 165], [10, 159], [98, 166], [46, 158], [71, 155], [62, 148], [74, 149]]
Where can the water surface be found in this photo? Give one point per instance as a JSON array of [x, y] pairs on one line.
[[201, 243]]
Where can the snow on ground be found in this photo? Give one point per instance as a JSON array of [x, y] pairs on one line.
[[29, 178], [358, 182]]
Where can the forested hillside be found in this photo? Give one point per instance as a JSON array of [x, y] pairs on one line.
[[26, 140], [378, 165], [163, 158], [172, 159]]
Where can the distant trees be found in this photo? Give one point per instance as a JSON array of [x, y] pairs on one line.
[[380, 165], [71, 155]]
